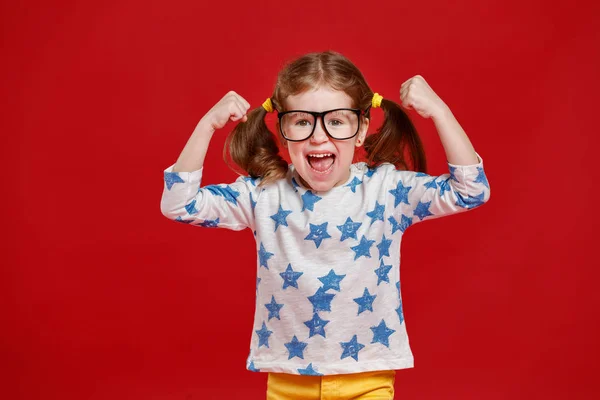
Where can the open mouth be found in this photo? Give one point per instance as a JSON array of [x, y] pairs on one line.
[[321, 162]]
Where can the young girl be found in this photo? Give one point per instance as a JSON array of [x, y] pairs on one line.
[[328, 319]]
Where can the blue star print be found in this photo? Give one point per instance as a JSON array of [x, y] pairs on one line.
[[179, 219], [384, 246], [365, 302], [257, 282], [400, 226], [382, 273], [431, 185], [400, 194], [452, 171], [280, 217], [355, 182], [228, 193], [263, 335], [290, 277], [351, 348], [321, 300], [377, 213], [295, 184], [444, 186], [400, 313], [308, 200], [420, 174], [481, 178], [252, 202], [349, 229], [316, 325], [331, 281], [318, 233], [469, 201], [250, 179], [362, 249], [207, 223], [191, 207], [422, 210], [370, 172], [263, 256], [252, 368], [273, 308], [381, 334], [296, 348], [172, 178], [308, 371]]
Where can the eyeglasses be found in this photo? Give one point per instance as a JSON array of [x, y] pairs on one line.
[[339, 123]]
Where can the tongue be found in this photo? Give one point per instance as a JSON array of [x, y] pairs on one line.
[[320, 164]]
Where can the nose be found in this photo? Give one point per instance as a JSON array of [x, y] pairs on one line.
[[319, 135]]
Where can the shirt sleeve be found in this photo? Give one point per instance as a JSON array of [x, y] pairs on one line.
[[418, 196], [214, 206]]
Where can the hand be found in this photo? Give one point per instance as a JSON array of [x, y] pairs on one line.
[[231, 107], [416, 94]]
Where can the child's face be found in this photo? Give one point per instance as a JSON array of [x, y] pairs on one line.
[[334, 168]]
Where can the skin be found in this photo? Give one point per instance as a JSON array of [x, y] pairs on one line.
[[322, 99]]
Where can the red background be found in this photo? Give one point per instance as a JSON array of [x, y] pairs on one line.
[[102, 297]]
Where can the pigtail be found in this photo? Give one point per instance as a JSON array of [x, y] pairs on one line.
[[395, 138], [254, 149]]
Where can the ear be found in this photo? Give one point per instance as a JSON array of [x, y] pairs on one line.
[[362, 133]]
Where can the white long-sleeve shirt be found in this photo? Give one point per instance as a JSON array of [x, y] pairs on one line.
[[328, 298]]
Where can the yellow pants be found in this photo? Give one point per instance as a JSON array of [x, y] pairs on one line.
[[364, 385]]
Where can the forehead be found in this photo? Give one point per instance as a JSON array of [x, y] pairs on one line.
[[319, 99]]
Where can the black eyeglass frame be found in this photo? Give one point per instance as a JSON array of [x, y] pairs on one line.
[[359, 113]]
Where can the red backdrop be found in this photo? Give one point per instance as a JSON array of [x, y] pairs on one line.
[[102, 297]]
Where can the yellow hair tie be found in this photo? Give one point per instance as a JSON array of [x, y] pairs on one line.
[[376, 101], [267, 105]]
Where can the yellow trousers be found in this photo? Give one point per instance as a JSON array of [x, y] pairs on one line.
[[364, 385]]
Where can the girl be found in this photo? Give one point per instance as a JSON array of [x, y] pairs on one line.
[[328, 319]]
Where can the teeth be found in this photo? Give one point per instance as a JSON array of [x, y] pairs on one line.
[[320, 155]]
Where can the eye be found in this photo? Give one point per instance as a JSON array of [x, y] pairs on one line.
[[336, 122], [302, 122]]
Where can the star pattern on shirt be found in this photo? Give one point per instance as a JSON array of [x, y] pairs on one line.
[[370, 172], [400, 313], [363, 248], [273, 308], [321, 300], [172, 178], [316, 325], [384, 246], [377, 213], [263, 256], [252, 202], [422, 210], [290, 277], [353, 184], [431, 185], [470, 201], [452, 173], [349, 229], [227, 192], [280, 217], [481, 178], [404, 223], [382, 273], [252, 368], [318, 233], [183, 221], [209, 223], [309, 370], [400, 194], [381, 333], [191, 207], [250, 179], [263, 335], [296, 348], [365, 302], [257, 282], [444, 186], [331, 281], [295, 184], [308, 200], [351, 348]]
